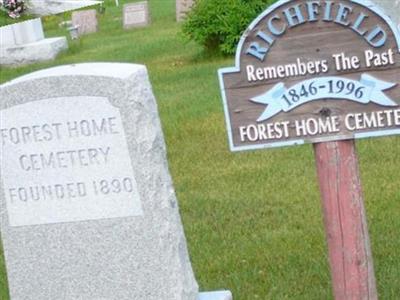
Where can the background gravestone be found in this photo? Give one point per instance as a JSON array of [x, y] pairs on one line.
[[88, 209], [136, 15], [24, 43], [86, 20], [182, 8]]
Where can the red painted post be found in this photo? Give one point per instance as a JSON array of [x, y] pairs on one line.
[[345, 221]]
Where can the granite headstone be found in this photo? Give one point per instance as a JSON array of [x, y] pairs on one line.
[[136, 15], [88, 209], [182, 8], [85, 20]]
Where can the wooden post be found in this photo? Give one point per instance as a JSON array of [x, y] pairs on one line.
[[345, 221]]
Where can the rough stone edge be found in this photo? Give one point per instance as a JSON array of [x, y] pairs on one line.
[[139, 71]]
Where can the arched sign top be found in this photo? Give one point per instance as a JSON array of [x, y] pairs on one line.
[[311, 8], [309, 71]]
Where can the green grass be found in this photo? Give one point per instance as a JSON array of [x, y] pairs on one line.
[[252, 220]]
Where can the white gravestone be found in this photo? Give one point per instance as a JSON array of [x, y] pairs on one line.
[[24, 43], [135, 15], [88, 210], [26, 32]]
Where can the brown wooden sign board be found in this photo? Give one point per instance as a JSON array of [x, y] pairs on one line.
[[313, 71]]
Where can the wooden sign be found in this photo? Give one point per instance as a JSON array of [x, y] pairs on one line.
[[313, 71]]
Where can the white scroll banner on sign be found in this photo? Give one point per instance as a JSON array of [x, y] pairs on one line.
[[368, 89]]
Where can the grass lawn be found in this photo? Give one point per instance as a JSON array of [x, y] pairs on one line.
[[252, 220]]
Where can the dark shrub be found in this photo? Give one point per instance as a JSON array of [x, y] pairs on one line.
[[218, 24]]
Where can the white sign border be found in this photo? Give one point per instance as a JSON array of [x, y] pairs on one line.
[[221, 72]]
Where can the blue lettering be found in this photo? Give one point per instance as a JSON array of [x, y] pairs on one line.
[[357, 24], [313, 10], [265, 37], [257, 51], [273, 29], [374, 34], [279, 22], [328, 11], [294, 16], [343, 13]]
